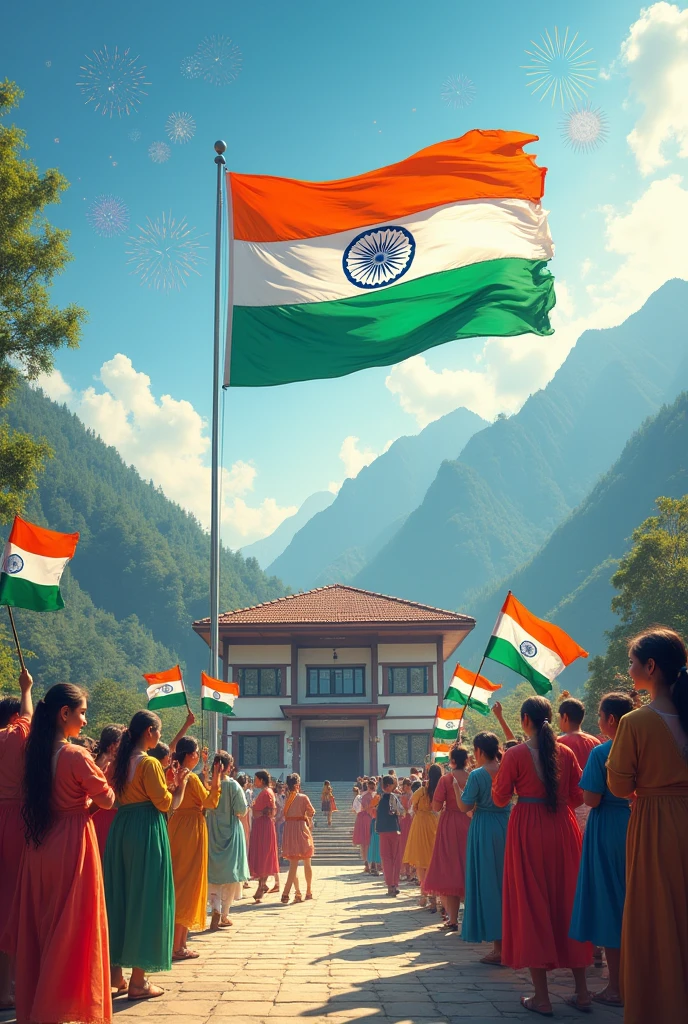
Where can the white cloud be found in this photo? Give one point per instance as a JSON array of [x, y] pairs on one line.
[[167, 441], [353, 457], [655, 55]]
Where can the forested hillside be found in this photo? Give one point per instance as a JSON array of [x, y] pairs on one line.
[[568, 581], [140, 574], [490, 510]]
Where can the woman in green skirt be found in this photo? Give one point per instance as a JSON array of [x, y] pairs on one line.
[[139, 888]]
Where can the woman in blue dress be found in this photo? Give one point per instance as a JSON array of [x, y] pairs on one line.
[[601, 889], [227, 861], [482, 916]]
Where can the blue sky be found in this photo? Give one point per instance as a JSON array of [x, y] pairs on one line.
[[326, 91]]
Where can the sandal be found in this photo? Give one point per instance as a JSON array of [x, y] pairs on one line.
[[528, 1004], [214, 921], [226, 923], [298, 898], [495, 961], [259, 893], [601, 997], [184, 954], [147, 992], [572, 1001], [285, 897], [309, 895], [275, 888], [449, 927]]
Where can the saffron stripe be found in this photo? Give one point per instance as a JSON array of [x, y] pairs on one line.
[[281, 344], [479, 165]]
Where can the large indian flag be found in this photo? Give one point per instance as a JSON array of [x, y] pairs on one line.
[[536, 649], [332, 277], [165, 689], [216, 695], [471, 690], [32, 566]]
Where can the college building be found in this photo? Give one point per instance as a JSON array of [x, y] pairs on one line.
[[335, 682]]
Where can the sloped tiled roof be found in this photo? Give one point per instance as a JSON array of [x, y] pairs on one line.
[[339, 603]]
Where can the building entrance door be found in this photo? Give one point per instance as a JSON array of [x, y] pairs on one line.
[[334, 754]]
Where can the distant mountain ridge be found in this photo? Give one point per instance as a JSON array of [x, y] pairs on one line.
[[337, 542], [267, 549], [489, 511], [568, 580]]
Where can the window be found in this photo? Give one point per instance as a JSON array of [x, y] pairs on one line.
[[336, 682], [259, 751], [259, 682], [408, 748], [407, 679]]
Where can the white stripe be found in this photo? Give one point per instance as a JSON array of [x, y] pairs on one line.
[[165, 689], [546, 661], [226, 698], [446, 237], [479, 692], [39, 569]]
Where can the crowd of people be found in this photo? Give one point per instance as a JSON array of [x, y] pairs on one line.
[[112, 852], [561, 848]]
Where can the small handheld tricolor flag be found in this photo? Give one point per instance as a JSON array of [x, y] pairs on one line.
[[166, 689], [440, 751], [32, 566], [471, 690], [216, 695], [535, 649], [447, 725]]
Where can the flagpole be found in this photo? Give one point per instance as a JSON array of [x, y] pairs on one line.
[[16, 640], [220, 148], [480, 667]]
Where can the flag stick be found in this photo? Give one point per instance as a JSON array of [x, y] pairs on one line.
[[220, 148], [16, 639], [480, 667]]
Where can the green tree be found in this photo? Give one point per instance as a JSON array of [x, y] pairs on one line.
[[32, 252], [652, 580]]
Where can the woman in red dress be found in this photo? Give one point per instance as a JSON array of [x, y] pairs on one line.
[[58, 916], [15, 722], [263, 859], [543, 849], [446, 875]]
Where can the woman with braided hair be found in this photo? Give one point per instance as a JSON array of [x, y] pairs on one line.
[[649, 757], [541, 859]]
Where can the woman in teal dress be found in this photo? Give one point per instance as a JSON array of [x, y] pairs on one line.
[[601, 890], [482, 917], [227, 860]]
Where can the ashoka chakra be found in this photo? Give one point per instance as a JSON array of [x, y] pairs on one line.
[[379, 256]]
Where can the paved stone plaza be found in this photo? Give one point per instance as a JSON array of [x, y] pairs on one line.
[[352, 954]]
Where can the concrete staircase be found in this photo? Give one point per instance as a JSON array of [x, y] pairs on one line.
[[333, 845]]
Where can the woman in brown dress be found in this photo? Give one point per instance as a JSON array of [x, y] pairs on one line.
[[649, 757], [297, 841]]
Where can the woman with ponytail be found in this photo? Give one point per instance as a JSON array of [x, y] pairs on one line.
[[15, 722], [446, 874], [649, 757], [139, 887], [104, 754], [59, 922], [541, 859]]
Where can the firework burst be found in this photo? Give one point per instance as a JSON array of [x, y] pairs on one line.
[[134, 135], [584, 128], [165, 253], [218, 60], [190, 67], [180, 127], [559, 68], [159, 152], [458, 91], [108, 216], [113, 82]]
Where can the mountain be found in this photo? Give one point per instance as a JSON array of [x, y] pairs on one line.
[[269, 548], [336, 543], [140, 573], [490, 510], [568, 580]]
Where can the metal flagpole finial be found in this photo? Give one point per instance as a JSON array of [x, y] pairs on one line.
[[220, 147]]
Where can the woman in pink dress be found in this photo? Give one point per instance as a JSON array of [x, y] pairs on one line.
[[446, 876], [59, 926], [263, 859], [405, 823], [105, 754], [361, 836], [297, 842], [542, 857], [15, 722]]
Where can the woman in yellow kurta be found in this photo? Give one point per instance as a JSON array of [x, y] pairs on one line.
[[421, 837], [189, 845], [649, 757]]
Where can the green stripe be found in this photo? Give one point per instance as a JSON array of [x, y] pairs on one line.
[[444, 736], [22, 593], [506, 654], [208, 704], [460, 698], [170, 700], [314, 340], [441, 758]]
